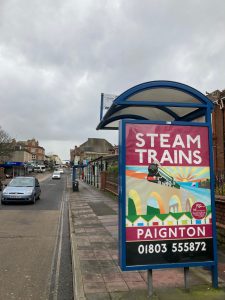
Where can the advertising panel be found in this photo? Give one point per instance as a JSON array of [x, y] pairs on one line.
[[106, 102], [167, 215]]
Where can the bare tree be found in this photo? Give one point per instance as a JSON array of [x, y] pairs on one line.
[[6, 145]]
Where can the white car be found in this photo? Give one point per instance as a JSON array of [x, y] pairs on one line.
[[61, 171], [56, 175], [39, 169]]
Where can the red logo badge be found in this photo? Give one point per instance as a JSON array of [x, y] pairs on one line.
[[198, 210]]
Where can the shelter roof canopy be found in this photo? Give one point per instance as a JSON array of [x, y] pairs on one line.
[[157, 101]]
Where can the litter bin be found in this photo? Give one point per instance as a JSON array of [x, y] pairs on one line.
[[75, 182], [75, 186]]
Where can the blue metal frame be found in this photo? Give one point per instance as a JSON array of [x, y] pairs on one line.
[[122, 200], [204, 107], [163, 84], [122, 194], [212, 185]]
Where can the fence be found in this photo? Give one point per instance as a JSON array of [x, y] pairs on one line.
[[109, 182]]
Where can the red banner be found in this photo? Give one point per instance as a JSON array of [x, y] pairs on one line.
[[166, 144], [154, 233]]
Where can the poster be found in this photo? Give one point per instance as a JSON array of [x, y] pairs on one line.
[[168, 215]]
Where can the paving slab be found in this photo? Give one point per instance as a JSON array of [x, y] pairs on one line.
[[97, 275]]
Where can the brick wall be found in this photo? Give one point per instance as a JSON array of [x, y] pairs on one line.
[[218, 125], [220, 219], [2, 175]]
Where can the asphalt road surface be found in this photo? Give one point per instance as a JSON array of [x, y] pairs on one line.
[[35, 261]]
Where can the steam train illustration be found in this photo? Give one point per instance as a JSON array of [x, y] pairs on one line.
[[158, 175]]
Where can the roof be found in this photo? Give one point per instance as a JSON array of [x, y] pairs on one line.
[[157, 101], [96, 145]]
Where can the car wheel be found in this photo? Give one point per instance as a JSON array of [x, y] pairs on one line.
[[2, 202]]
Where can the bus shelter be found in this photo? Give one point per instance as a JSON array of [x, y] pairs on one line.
[[166, 178]]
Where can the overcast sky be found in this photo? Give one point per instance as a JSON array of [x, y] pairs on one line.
[[56, 57]]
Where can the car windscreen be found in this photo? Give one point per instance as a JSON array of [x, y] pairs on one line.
[[22, 182]]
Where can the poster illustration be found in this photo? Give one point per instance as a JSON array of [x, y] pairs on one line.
[[168, 198]]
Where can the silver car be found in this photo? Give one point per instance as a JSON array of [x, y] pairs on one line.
[[21, 189]]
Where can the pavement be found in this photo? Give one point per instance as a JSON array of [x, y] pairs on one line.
[[93, 216]]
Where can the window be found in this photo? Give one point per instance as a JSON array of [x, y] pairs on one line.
[[140, 224], [184, 222], [22, 182], [170, 223]]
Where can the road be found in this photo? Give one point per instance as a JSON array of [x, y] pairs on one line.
[[35, 261]]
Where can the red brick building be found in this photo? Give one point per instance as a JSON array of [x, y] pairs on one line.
[[218, 126], [32, 146]]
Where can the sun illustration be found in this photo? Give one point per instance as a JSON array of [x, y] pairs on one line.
[[188, 174]]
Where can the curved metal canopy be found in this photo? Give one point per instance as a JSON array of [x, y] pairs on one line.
[[157, 101]]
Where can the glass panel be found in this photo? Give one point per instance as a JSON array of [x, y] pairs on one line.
[[164, 95], [150, 113], [22, 182]]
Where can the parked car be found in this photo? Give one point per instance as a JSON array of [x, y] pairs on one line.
[[21, 189], [39, 169], [56, 175], [30, 169]]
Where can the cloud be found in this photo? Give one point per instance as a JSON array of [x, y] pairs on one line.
[[57, 57]]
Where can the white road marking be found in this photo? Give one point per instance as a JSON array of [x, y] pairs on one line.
[[59, 248], [54, 285]]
